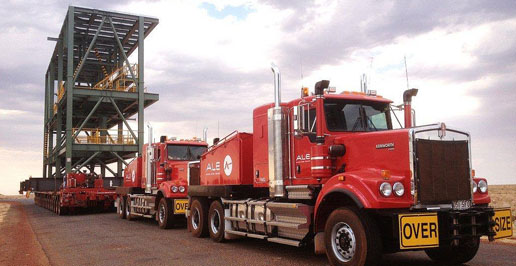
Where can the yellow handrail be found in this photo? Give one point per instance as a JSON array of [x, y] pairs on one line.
[[103, 136]]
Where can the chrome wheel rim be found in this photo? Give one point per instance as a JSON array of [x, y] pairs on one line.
[[161, 213], [343, 242], [215, 222], [128, 208], [196, 217], [120, 210]]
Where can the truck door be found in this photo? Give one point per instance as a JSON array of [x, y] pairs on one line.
[[303, 129]]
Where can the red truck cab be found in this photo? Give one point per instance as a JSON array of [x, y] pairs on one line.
[[155, 184]]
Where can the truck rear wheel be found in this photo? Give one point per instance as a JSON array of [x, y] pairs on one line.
[[351, 238], [165, 214], [216, 221], [197, 219], [128, 215], [120, 207], [455, 255]]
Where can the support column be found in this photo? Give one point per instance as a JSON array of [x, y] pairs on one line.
[[69, 88], [141, 92], [59, 120], [45, 128], [50, 117], [120, 139]]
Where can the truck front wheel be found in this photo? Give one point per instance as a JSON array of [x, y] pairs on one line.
[[216, 221], [128, 215], [165, 214], [197, 219], [351, 238], [120, 207], [455, 255]]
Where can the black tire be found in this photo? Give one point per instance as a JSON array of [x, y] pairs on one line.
[[197, 219], [128, 215], [352, 238], [165, 214], [216, 221], [120, 209], [455, 255]]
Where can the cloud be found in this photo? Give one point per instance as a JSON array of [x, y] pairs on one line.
[[209, 61]]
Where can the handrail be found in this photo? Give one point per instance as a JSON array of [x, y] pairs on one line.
[[103, 136]]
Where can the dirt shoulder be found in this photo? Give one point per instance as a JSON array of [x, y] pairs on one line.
[[18, 244]]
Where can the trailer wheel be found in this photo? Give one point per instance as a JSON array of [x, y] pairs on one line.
[[216, 221], [128, 215], [197, 219], [120, 209], [455, 255], [165, 214], [351, 238]]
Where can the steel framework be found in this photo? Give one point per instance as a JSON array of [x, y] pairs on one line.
[[91, 90]]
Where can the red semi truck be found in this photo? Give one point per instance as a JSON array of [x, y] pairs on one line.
[[330, 170], [79, 191], [155, 185]]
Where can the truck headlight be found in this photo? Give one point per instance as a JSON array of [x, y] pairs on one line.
[[399, 189], [474, 186], [386, 189], [174, 189], [181, 189], [482, 186]]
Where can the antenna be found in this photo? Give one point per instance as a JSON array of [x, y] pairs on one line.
[[218, 132], [406, 71]]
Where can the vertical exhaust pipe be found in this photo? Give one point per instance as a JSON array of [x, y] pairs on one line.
[[277, 140], [205, 134], [148, 163], [407, 106]]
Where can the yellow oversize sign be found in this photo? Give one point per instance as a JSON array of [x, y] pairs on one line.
[[503, 223], [180, 206], [418, 230]]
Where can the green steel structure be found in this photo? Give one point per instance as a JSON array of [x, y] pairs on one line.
[[92, 90]]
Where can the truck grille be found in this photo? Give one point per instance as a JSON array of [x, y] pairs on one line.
[[443, 171]]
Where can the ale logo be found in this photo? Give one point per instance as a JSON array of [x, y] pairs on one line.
[[228, 165], [133, 176]]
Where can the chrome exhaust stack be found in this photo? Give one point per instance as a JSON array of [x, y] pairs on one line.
[[205, 134], [148, 163], [277, 142]]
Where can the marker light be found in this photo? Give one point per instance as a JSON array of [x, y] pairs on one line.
[[482, 186], [181, 189], [399, 189], [386, 189], [304, 91], [174, 189], [386, 174]]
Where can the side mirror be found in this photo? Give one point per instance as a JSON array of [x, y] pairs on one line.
[[298, 120]]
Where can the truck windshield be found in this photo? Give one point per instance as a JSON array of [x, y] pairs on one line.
[[185, 152], [346, 115]]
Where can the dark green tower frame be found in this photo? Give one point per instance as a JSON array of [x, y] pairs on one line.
[[113, 36]]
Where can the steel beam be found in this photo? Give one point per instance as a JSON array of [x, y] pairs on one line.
[[88, 117], [123, 119], [88, 160], [85, 57], [69, 88], [45, 129], [141, 92], [120, 158], [121, 47], [50, 116]]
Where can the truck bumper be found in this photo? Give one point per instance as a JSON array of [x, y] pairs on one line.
[[420, 229]]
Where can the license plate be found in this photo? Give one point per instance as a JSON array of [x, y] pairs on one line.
[[461, 204], [503, 223], [418, 230], [180, 206]]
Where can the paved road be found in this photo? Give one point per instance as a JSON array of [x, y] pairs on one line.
[[104, 239]]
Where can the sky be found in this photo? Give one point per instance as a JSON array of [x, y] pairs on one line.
[[210, 64]]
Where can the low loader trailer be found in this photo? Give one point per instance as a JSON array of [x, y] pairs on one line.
[[155, 185], [79, 191], [330, 170]]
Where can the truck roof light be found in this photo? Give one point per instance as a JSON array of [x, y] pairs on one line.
[[304, 92], [371, 92]]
